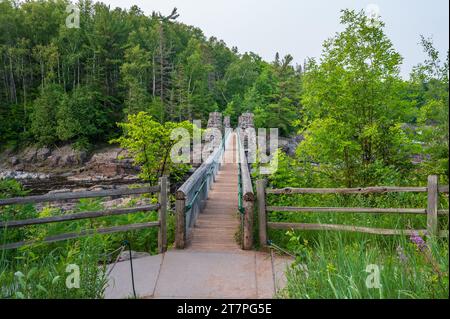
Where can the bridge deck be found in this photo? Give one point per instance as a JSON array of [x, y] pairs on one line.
[[183, 274], [213, 265], [217, 225]]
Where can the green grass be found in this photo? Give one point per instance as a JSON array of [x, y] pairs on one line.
[[335, 267], [39, 272]]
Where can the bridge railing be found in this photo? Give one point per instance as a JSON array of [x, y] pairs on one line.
[[246, 199], [161, 207], [432, 212], [192, 195]]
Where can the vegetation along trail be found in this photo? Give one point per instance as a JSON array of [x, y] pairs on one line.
[[352, 204]]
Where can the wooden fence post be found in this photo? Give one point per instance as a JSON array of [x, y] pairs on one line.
[[432, 206], [162, 233], [262, 214], [180, 207], [249, 205]]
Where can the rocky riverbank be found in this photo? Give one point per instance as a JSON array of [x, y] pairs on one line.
[[43, 169]]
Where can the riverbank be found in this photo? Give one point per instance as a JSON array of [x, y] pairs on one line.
[[42, 170]]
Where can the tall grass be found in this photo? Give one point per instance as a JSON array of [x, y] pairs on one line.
[[38, 272], [334, 267]]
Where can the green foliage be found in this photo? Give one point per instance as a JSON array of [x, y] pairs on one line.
[[43, 117], [34, 275], [429, 82], [11, 188], [277, 94], [150, 144], [133, 75], [361, 125], [119, 62], [81, 116], [351, 111]]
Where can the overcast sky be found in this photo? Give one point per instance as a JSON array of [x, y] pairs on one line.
[[299, 27]]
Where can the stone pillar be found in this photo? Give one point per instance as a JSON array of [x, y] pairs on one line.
[[246, 121], [214, 126], [226, 122], [215, 120]]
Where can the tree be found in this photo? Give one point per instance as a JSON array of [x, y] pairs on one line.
[[352, 114], [133, 63], [149, 143], [81, 116], [277, 94], [134, 75], [44, 114], [430, 81]]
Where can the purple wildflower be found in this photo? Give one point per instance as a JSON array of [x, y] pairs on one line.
[[401, 255], [418, 241]]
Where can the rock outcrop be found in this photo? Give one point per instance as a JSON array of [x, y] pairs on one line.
[[33, 158]]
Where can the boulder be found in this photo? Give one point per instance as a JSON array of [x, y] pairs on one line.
[[289, 145], [43, 153], [109, 163], [125, 255], [53, 160], [29, 154], [15, 160], [66, 156]]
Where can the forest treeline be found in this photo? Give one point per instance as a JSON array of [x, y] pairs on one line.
[[61, 84], [361, 120]]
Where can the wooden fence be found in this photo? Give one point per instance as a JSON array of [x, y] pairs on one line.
[[432, 212], [161, 206]]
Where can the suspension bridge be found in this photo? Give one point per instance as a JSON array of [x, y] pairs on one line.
[[214, 236], [214, 252]]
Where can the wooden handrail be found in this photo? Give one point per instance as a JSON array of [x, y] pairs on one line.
[[187, 195], [161, 188], [364, 210], [348, 228], [432, 212], [368, 190], [77, 216], [78, 195], [83, 233], [247, 187]]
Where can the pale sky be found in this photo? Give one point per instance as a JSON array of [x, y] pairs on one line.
[[299, 27]]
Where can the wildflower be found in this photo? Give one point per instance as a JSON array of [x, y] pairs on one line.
[[426, 252], [418, 241], [401, 255]]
